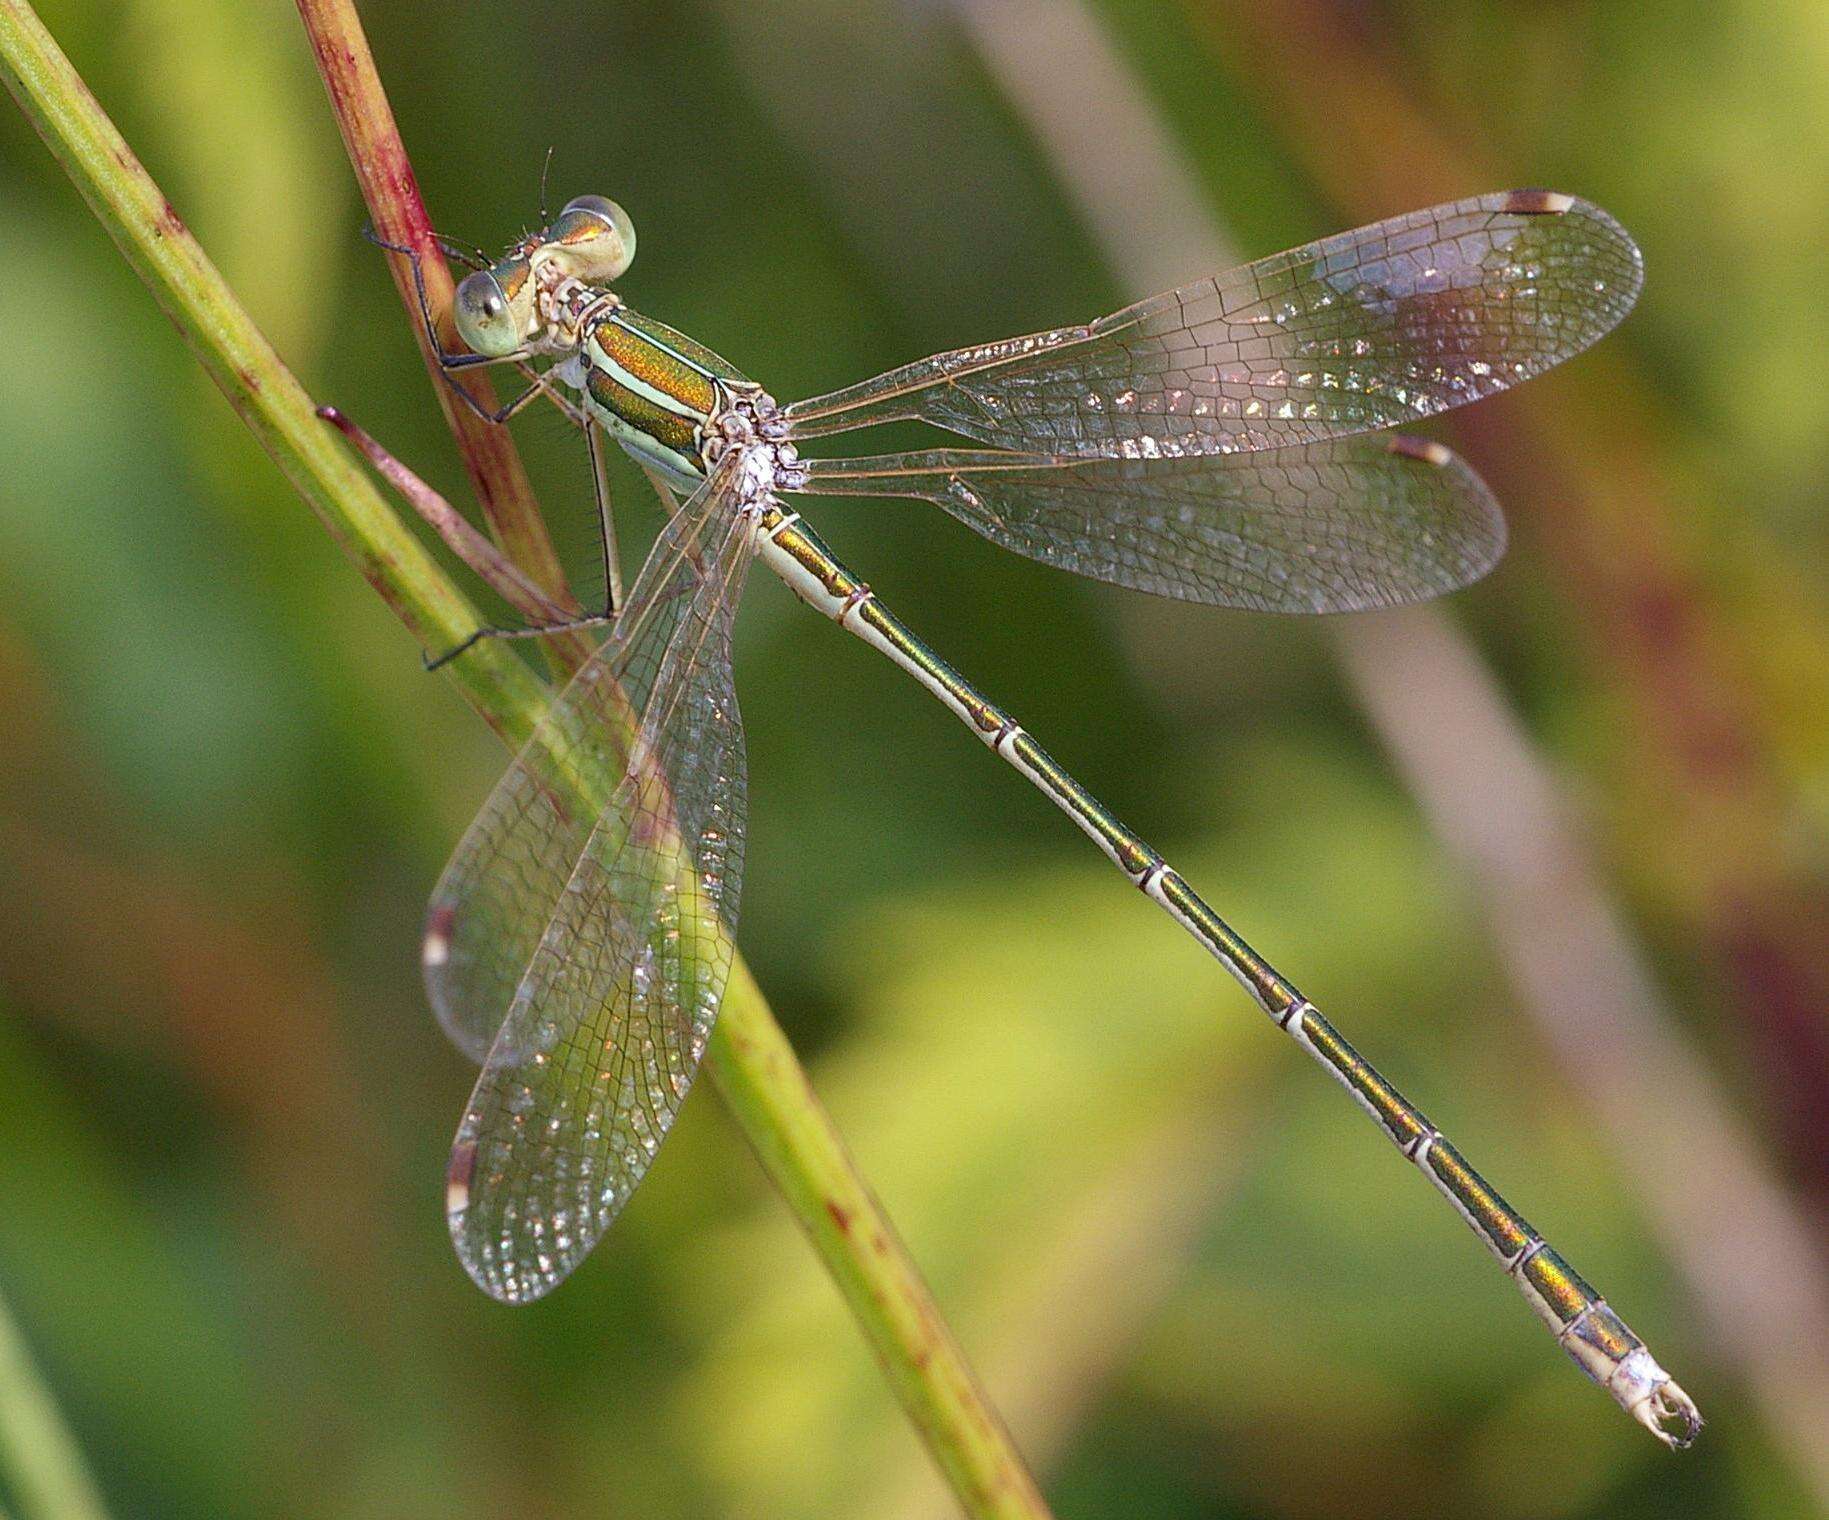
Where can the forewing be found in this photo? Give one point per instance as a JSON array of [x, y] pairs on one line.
[[1338, 526], [641, 764], [1364, 330]]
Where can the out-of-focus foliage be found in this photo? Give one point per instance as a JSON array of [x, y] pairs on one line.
[[1197, 1281]]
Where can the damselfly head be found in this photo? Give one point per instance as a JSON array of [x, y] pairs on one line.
[[592, 239], [494, 308]]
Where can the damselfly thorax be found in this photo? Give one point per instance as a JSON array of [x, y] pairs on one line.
[[664, 397], [669, 401]]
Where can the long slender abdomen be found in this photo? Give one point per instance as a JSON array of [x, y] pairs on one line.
[[1596, 1338]]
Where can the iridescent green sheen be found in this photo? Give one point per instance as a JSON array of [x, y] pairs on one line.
[[688, 351], [1506, 1232], [1400, 1118], [640, 412], [1560, 1287]]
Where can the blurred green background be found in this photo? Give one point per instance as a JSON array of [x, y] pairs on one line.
[[1195, 1279]]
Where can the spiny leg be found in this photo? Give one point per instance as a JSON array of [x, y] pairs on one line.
[[606, 532], [606, 527], [527, 631]]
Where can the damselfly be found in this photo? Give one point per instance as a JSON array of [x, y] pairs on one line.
[[1220, 443]]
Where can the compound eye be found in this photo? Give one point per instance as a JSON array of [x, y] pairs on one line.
[[485, 316], [597, 235]]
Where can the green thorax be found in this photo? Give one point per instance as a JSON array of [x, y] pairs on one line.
[[655, 390]]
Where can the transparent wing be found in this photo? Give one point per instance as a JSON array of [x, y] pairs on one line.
[[599, 885], [498, 892], [1364, 330], [1338, 526]]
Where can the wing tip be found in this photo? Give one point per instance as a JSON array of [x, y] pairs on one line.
[[435, 947], [1423, 450], [458, 1172], [1478, 522], [1601, 223], [503, 1287], [1538, 202]]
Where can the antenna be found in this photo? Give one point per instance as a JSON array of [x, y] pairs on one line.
[[544, 219]]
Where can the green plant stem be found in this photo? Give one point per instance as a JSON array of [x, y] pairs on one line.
[[766, 1089], [43, 1466], [748, 1055]]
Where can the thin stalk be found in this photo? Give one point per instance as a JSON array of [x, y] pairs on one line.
[[749, 1057], [44, 1468], [486, 561]]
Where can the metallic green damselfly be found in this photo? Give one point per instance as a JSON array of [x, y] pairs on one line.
[[1222, 443]]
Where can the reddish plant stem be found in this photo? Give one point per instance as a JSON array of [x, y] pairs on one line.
[[391, 191]]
